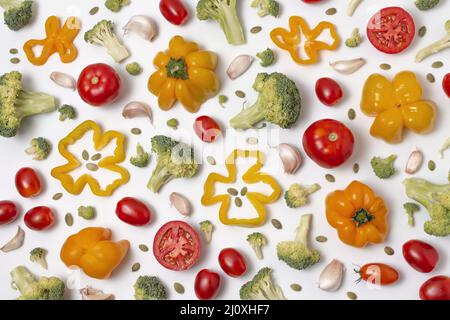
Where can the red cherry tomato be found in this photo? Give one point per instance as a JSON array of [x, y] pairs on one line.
[[446, 84], [206, 128], [311, 1], [133, 211], [28, 183], [420, 255], [436, 288], [207, 284], [391, 30], [176, 246], [328, 142], [39, 218], [174, 11], [8, 212], [232, 262], [378, 274], [98, 84], [328, 91]]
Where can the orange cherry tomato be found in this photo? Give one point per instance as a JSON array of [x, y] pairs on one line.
[[378, 274]]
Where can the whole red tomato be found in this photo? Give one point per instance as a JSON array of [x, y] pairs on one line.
[[328, 91], [207, 284], [232, 262], [174, 11], [39, 218], [328, 142], [420, 255], [378, 274], [28, 183], [446, 84], [206, 128], [436, 288], [8, 212], [133, 211], [311, 1], [98, 84]]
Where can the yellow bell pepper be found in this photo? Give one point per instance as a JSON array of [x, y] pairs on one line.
[[101, 140], [92, 250], [252, 176], [396, 105], [184, 73]]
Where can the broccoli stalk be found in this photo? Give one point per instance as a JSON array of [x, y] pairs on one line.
[[279, 102], [354, 40], [444, 147], [410, 209], [266, 7], [149, 288], [437, 46], [352, 6], [207, 228], [39, 147], [37, 255], [297, 196], [426, 4], [17, 13], [383, 167], [267, 57], [225, 13], [257, 240], [141, 159], [262, 287]]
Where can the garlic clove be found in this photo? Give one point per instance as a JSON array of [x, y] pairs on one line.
[[141, 25], [90, 293], [414, 162], [181, 203], [331, 276], [16, 242], [238, 66], [348, 66], [137, 109], [63, 80], [290, 157]]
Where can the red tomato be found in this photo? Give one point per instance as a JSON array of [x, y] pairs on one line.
[[206, 128], [328, 142], [328, 91], [311, 1], [207, 284], [28, 183], [378, 273], [420, 255], [436, 288], [391, 30], [446, 84], [8, 212], [232, 262], [174, 11], [133, 211], [176, 246], [98, 84], [39, 218]]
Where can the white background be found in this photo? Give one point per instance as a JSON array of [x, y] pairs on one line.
[[210, 37]]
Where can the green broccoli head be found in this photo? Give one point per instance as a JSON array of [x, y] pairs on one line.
[[279, 102], [207, 228], [141, 159], [262, 287], [17, 13], [66, 112], [266, 7], [426, 4], [51, 288], [257, 240], [383, 167], [134, 68], [296, 253], [116, 5], [86, 212], [16, 103], [410, 209], [149, 288], [297, 196], [354, 40], [267, 57], [38, 255], [39, 147]]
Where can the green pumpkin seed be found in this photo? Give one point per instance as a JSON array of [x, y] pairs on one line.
[[57, 196], [352, 295], [136, 131], [252, 140], [232, 191], [422, 31], [13, 51], [330, 178], [85, 155], [238, 202], [437, 64], [331, 11], [68, 218], [430, 78], [256, 29], [96, 157], [91, 166], [240, 94], [244, 191], [356, 168], [389, 251], [296, 287], [431, 165], [211, 160], [321, 239], [14, 60], [143, 248], [93, 11], [178, 287], [276, 224], [351, 114], [135, 267], [385, 66]]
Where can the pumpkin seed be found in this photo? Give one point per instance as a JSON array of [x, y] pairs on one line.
[[143, 248], [389, 251], [244, 191], [252, 140], [93, 11], [68, 218], [172, 123], [85, 155], [211, 160], [385, 66], [352, 295], [238, 202], [96, 157], [356, 168], [437, 64], [330, 178], [296, 287], [351, 114], [136, 131], [232, 191], [135, 267], [321, 239], [331, 11], [240, 94], [57, 196], [13, 51], [430, 78], [256, 29], [14, 60], [178, 287], [422, 31], [91, 166], [431, 165], [276, 224]]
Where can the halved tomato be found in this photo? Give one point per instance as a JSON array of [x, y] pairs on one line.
[[391, 30], [176, 246]]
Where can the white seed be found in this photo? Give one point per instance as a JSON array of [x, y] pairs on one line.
[[63, 80], [414, 162], [238, 66], [331, 277], [181, 203]]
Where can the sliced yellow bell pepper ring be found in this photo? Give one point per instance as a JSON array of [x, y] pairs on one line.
[[101, 140]]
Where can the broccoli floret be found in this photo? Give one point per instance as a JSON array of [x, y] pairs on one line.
[[30, 289], [354, 40], [262, 287], [17, 13], [297, 196], [39, 147], [410, 209], [141, 159], [175, 160], [102, 34], [436, 199], [134, 68], [257, 240], [437, 46], [149, 288], [426, 4], [267, 57], [16, 103], [207, 228], [37, 255], [279, 102], [116, 5], [383, 167], [296, 253], [266, 7], [225, 13], [86, 212], [66, 112]]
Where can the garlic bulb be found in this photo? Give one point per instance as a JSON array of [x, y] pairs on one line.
[[137, 109], [63, 80], [290, 157], [414, 162], [16, 242], [90, 293], [348, 66], [181, 203], [141, 25], [239, 65], [331, 277]]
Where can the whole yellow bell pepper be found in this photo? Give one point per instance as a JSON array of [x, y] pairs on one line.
[[184, 73], [396, 105]]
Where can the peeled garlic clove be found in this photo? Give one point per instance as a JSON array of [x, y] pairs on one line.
[[331, 277], [239, 65], [414, 162], [16, 242], [290, 157], [137, 109], [348, 66], [181, 203], [63, 80], [141, 25], [90, 293]]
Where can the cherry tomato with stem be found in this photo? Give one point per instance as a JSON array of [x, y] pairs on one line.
[[420, 255], [174, 11], [377, 274], [39, 218], [28, 183], [446, 84], [8, 212], [207, 284], [436, 288], [328, 91], [232, 262], [207, 129], [133, 211]]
